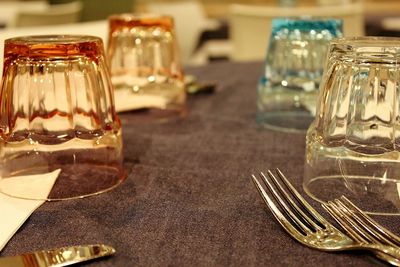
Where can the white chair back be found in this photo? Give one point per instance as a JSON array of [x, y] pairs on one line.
[[52, 15], [190, 21], [250, 25]]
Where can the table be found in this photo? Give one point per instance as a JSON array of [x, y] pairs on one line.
[[188, 199]]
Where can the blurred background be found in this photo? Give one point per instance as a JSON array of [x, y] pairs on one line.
[[207, 30]]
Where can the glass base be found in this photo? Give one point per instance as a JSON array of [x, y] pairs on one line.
[[370, 181], [151, 102], [287, 109], [286, 121], [371, 195], [68, 182], [39, 170]]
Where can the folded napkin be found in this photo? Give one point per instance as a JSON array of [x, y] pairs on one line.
[[125, 100], [15, 211]]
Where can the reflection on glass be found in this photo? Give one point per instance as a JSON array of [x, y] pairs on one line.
[[145, 65], [57, 113], [288, 89], [353, 144]]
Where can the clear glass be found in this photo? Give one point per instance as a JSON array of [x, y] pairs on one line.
[[287, 91], [353, 145], [145, 65], [57, 113]]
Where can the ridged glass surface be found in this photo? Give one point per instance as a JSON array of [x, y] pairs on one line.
[[353, 144], [57, 112], [288, 89], [144, 60]]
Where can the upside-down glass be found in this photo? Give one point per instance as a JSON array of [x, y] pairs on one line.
[[353, 145], [287, 91], [57, 112], [145, 65]]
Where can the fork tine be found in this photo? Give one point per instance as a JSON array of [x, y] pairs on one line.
[[299, 210], [341, 218], [288, 211], [352, 224], [355, 220], [286, 224], [317, 217], [381, 233], [342, 221]]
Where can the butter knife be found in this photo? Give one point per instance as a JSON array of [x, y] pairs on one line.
[[58, 257]]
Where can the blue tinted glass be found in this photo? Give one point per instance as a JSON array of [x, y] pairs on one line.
[[287, 91]]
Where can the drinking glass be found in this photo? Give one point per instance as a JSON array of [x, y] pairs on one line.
[[287, 91], [57, 113], [145, 66], [353, 145]]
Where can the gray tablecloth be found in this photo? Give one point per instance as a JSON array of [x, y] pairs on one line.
[[188, 199]]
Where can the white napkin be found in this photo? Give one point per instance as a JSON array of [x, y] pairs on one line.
[[125, 100], [15, 211]]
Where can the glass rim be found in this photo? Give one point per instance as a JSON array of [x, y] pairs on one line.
[[121, 22], [53, 39], [306, 24], [127, 17], [38, 47], [367, 41], [307, 18]]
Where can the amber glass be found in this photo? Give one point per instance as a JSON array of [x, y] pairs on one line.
[[145, 66], [353, 145], [57, 113]]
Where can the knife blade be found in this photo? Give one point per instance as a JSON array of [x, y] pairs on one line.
[[58, 257]]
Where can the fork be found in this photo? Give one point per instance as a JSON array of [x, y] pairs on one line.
[[307, 226], [358, 225]]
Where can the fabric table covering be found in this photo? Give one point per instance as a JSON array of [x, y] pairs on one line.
[[188, 199]]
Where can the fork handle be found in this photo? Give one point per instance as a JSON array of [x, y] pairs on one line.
[[388, 258], [385, 253]]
